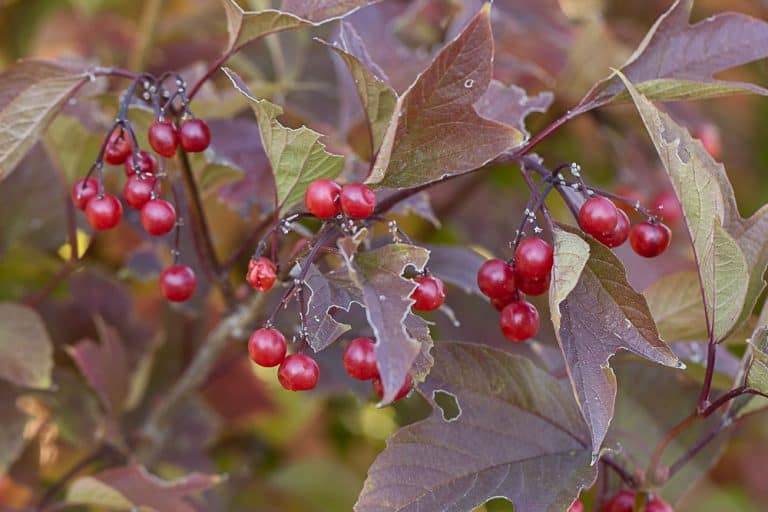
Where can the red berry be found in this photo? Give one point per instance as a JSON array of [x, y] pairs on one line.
[[83, 191], [104, 212], [267, 347], [576, 506], [519, 321], [118, 148], [137, 192], [619, 234], [709, 135], [163, 138], [656, 504], [533, 259], [323, 199], [429, 294], [650, 240], [499, 304], [598, 216], [178, 283], [668, 207], [194, 135], [158, 217], [360, 359], [262, 274], [358, 201], [378, 388], [146, 162], [496, 279], [533, 286], [298, 373], [624, 501]]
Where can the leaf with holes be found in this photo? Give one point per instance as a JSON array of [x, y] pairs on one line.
[[675, 302], [324, 295], [26, 350], [491, 445]]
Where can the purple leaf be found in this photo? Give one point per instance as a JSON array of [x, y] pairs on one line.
[[511, 105], [418, 204], [456, 265], [324, 295], [323, 10]]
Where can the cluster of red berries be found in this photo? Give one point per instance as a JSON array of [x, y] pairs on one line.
[[624, 501], [326, 199]]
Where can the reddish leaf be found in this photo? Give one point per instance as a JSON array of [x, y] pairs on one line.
[[321, 10], [511, 105]]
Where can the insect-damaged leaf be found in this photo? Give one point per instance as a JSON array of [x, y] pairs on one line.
[[518, 435]]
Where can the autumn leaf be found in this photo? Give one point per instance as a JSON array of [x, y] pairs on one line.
[[14, 423], [26, 350], [511, 105]]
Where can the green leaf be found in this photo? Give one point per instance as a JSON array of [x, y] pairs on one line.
[[88, 490], [571, 255], [754, 374], [721, 264], [675, 302], [297, 156], [678, 90], [26, 351]]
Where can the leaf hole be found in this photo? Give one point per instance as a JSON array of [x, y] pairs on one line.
[[449, 405]]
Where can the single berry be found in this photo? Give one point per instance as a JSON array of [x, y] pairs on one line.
[[145, 161], [163, 138], [360, 359], [598, 216], [83, 191], [533, 286], [137, 192], [519, 321], [323, 199], [709, 135], [576, 506], [650, 240], [378, 388], [158, 217], [357, 200], [619, 234], [194, 135], [533, 259], [178, 283], [429, 293], [267, 347], [261, 274], [624, 501], [298, 373], [656, 504], [104, 212], [668, 207], [118, 148], [496, 279]]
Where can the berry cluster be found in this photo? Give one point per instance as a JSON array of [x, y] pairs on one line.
[[624, 501]]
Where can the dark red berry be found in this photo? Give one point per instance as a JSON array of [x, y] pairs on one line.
[[194, 135], [496, 279], [163, 138], [323, 199], [709, 135], [118, 148], [619, 234], [499, 304], [360, 359], [650, 240], [137, 192], [624, 501], [358, 201], [378, 388], [267, 347], [576, 506], [146, 162], [158, 217], [533, 259], [104, 212], [262, 274], [83, 191], [178, 283], [519, 321], [533, 286], [429, 294], [598, 216], [298, 373], [668, 207], [656, 504]]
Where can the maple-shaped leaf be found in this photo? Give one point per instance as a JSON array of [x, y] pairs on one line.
[[696, 178], [514, 433], [435, 130], [596, 313], [26, 350], [297, 156]]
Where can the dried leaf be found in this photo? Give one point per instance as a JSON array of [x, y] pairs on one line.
[[26, 350]]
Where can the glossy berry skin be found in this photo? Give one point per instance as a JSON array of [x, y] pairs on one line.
[[163, 138], [146, 161], [519, 321], [499, 304], [194, 135], [650, 240], [533, 286], [178, 283], [576, 506], [429, 294], [624, 501], [261, 274], [598, 216], [83, 191], [619, 234], [360, 359], [656, 504], [709, 135], [533, 259], [298, 372], [322, 199], [158, 217], [267, 347], [137, 192], [496, 279], [668, 207], [104, 212], [118, 148], [378, 388], [357, 200]]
